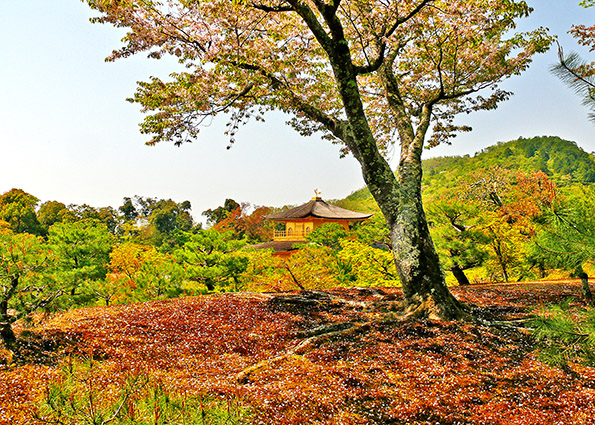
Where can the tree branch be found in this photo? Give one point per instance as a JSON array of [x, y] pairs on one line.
[[410, 15], [336, 127], [310, 19], [374, 65], [273, 9]]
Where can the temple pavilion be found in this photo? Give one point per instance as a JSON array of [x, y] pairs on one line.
[[302, 220]]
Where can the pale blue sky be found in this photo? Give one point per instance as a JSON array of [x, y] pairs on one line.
[[67, 133]]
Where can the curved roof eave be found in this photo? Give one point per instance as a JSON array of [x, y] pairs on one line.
[[318, 208]]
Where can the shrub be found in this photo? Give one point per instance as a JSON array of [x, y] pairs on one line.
[[566, 334]]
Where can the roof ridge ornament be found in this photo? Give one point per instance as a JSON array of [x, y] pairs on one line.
[[317, 197]]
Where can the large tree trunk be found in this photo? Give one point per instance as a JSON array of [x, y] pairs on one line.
[[399, 198], [6, 332], [416, 259], [418, 266]]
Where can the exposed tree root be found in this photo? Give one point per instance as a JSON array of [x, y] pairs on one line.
[[512, 324], [320, 335], [317, 299], [309, 298], [385, 311], [418, 307], [422, 309], [325, 329]]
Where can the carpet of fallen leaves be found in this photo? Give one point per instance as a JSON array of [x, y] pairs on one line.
[[424, 372]]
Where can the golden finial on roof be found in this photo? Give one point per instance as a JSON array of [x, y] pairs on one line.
[[317, 197]]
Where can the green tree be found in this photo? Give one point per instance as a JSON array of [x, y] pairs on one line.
[[17, 208], [509, 205], [489, 189], [51, 212], [141, 273], [456, 226], [373, 232], [578, 75], [212, 259], [109, 217], [315, 267], [155, 221], [24, 287], [84, 212], [215, 216], [167, 218], [363, 73], [265, 272], [369, 266], [82, 249], [328, 234], [565, 334], [566, 238], [128, 210]]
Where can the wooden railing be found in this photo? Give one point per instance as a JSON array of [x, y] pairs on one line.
[[290, 236]]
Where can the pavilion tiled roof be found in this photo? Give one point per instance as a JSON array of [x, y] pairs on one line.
[[319, 209]]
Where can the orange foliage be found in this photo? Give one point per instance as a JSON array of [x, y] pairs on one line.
[[242, 224], [389, 372], [528, 198]]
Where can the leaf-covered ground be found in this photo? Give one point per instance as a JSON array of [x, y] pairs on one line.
[[385, 372]]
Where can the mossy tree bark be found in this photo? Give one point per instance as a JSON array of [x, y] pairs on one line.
[[398, 196]]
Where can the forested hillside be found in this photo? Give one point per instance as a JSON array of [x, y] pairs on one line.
[[561, 160], [514, 211]]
